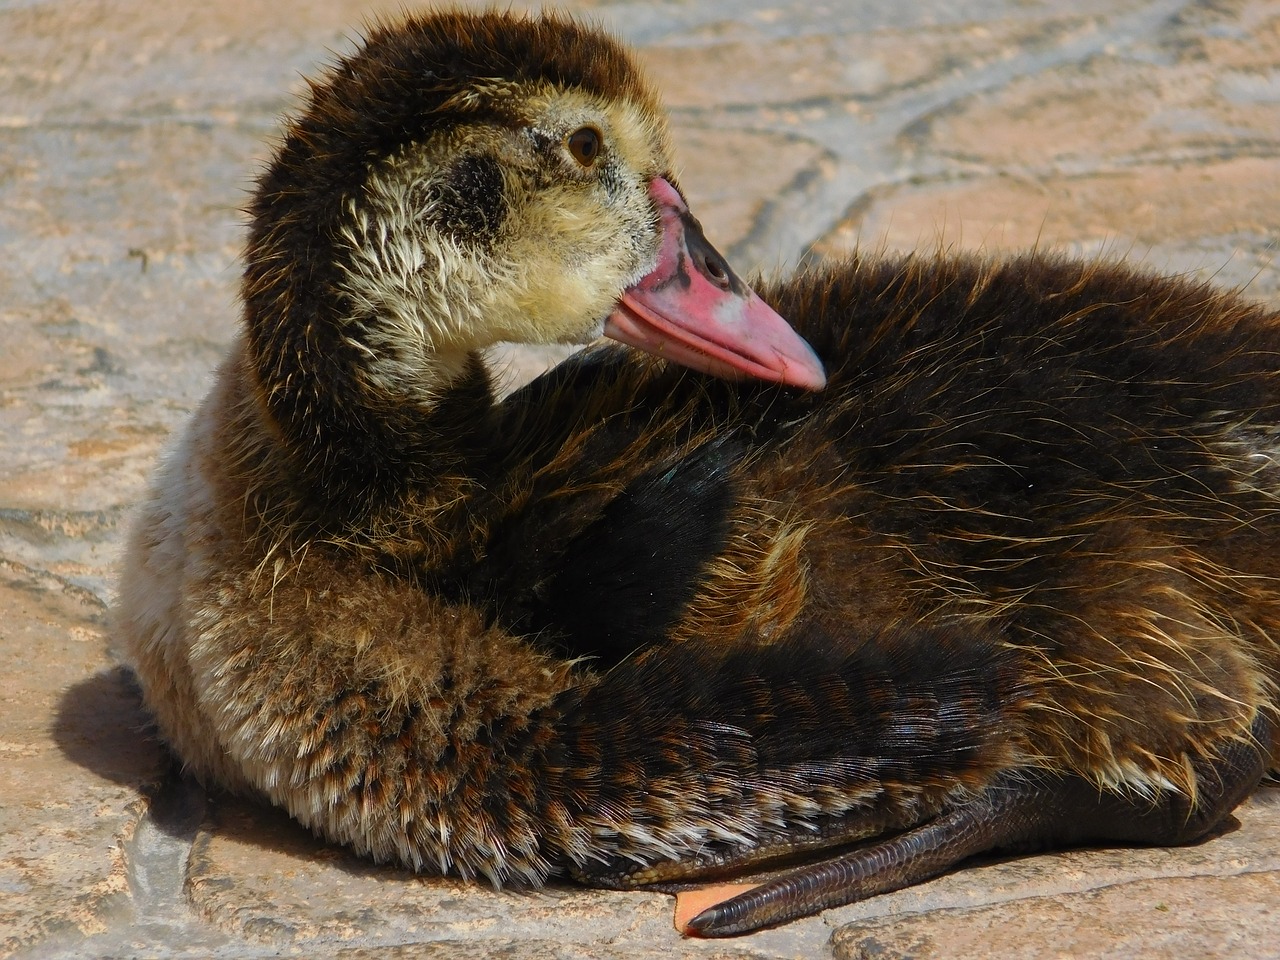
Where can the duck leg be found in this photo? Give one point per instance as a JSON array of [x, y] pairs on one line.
[[1018, 812]]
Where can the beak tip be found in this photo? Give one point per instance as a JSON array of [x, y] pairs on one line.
[[806, 373]]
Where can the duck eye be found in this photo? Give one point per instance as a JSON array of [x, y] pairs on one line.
[[584, 144]]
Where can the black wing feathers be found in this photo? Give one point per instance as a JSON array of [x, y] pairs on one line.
[[625, 579]]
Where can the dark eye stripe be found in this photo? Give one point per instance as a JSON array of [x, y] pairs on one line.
[[469, 201]]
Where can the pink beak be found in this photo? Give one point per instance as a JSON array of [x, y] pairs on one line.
[[693, 310]]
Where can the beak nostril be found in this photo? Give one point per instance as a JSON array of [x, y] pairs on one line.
[[715, 270]]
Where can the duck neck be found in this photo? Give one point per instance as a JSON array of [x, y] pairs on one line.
[[356, 444]]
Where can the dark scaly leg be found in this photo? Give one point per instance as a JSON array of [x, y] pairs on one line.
[[1018, 812]]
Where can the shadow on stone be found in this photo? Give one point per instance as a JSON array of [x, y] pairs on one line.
[[249, 824], [101, 725]]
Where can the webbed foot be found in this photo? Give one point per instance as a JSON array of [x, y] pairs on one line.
[[1020, 811]]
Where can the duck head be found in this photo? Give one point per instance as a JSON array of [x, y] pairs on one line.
[[465, 179]]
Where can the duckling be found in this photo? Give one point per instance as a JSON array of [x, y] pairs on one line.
[[1006, 582]]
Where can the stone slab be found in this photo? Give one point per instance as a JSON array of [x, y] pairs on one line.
[[1202, 917], [75, 767]]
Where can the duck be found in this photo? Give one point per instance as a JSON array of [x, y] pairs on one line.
[[965, 555]]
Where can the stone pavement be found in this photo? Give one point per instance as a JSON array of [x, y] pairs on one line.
[[129, 130]]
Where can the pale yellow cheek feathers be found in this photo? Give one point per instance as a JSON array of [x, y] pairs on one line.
[[586, 257], [571, 240]]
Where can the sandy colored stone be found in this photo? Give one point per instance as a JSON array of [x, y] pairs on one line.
[[1239, 35], [73, 766], [100, 296], [539, 950], [258, 875], [1234, 917], [1203, 218], [707, 58], [256, 872], [1202, 85], [1106, 114], [846, 66], [1164, 157]]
